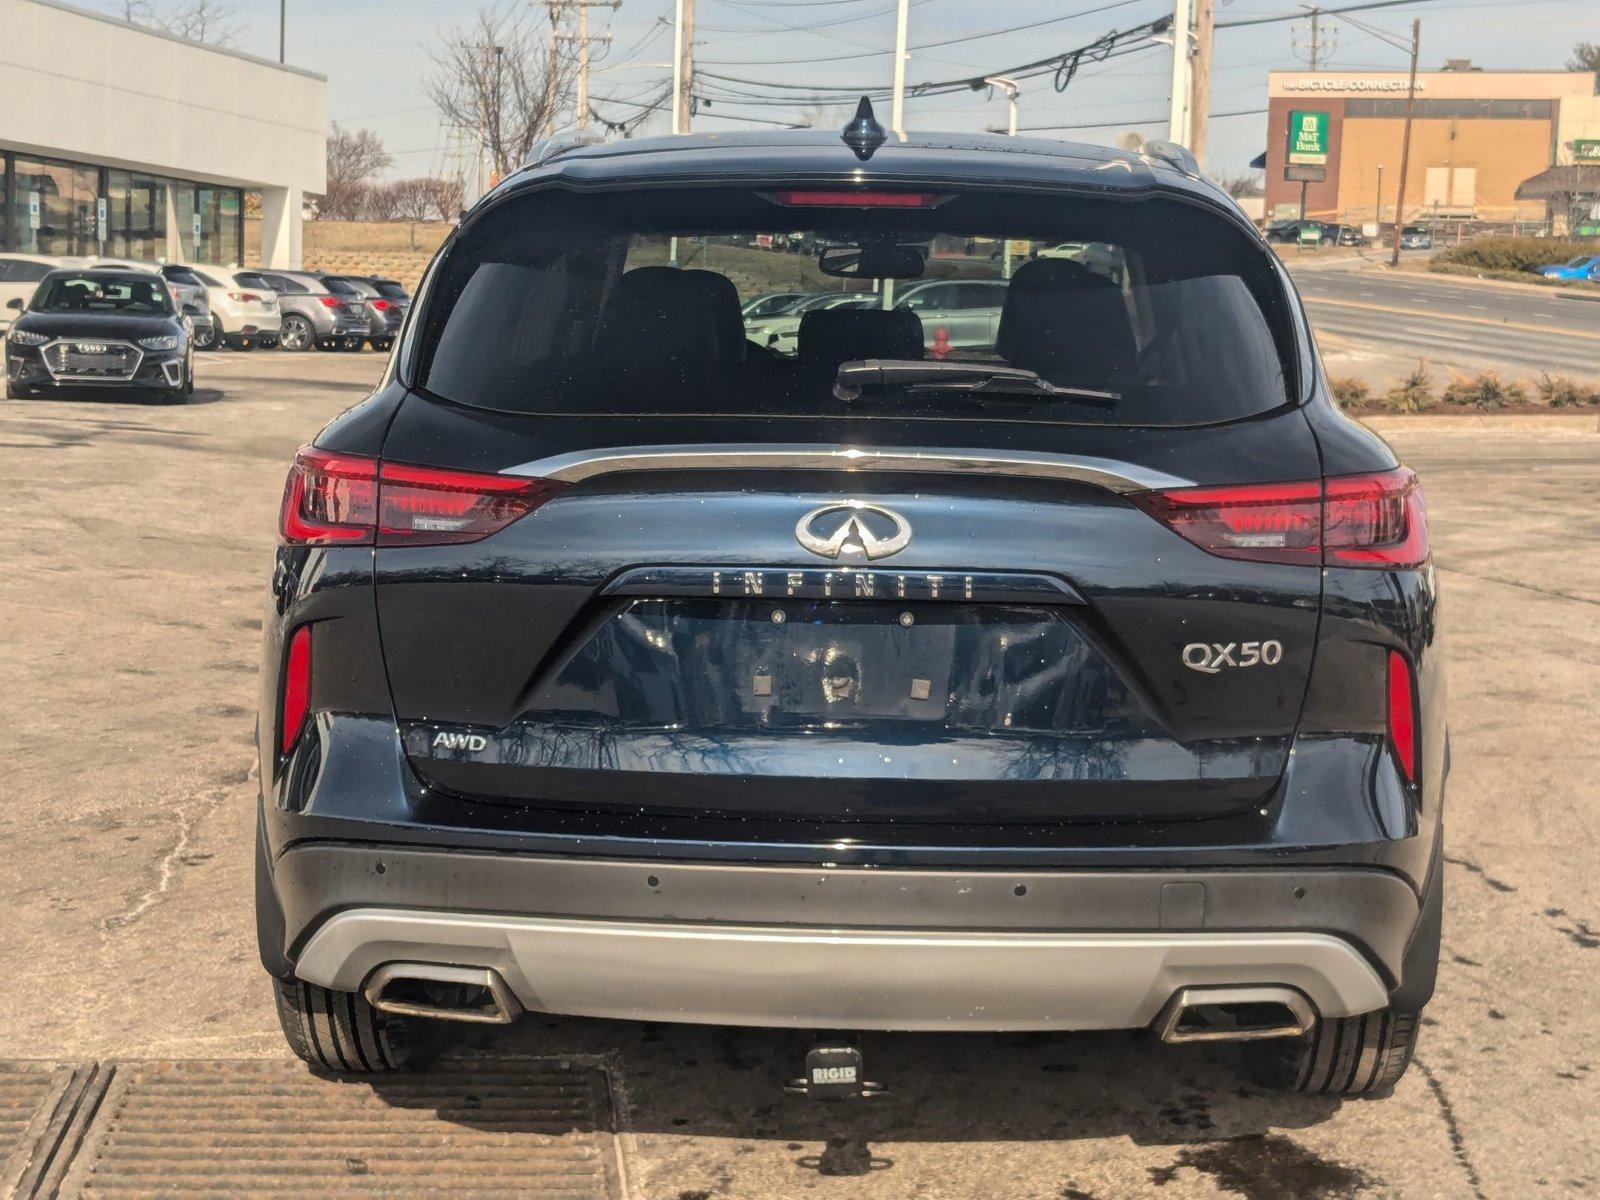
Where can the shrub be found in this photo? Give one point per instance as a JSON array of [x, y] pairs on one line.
[[1486, 391], [1348, 390], [1413, 393], [1511, 253], [1563, 391]]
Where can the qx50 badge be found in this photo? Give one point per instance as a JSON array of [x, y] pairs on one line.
[[853, 529], [1212, 657]]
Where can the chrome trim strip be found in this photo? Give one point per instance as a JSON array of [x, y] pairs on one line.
[[822, 977], [1082, 468]]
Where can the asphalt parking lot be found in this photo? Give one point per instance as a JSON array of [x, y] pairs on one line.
[[138, 542]]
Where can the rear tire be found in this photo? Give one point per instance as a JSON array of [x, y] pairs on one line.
[[341, 1033], [296, 334], [1346, 1056]]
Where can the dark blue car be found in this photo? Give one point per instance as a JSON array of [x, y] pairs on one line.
[[1087, 678]]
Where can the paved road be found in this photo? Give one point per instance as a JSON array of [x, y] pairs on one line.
[[1469, 326], [138, 545]]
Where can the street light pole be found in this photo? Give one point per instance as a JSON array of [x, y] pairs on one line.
[[283, 6], [897, 107], [1405, 142]]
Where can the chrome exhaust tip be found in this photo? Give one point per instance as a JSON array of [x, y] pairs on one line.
[[473, 994], [1234, 1014]]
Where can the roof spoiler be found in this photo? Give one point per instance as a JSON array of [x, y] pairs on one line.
[[1174, 155], [548, 148]]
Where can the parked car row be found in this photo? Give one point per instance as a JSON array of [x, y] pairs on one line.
[[956, 314], [243, 309]]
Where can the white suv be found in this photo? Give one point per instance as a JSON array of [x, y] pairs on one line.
[[244, 310], [19, 277]]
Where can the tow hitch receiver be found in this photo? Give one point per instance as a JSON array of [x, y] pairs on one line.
[[834, 1071]]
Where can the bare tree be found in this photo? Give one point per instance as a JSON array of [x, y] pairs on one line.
[[354, 160], [505, 81], [1245, 183], [198, 20], [448, 197]]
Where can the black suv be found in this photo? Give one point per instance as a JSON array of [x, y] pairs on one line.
[[619, 667]]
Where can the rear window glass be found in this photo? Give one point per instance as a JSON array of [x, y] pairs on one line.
[[341, 287], [1153, 312], [390, 290]]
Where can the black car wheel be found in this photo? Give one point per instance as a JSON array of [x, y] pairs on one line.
[[352, 345], [342, 1033], [207, 337], [296, 334], [1347, 1056], [383, 345]]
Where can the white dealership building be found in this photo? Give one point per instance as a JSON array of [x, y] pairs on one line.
[[121, 140]]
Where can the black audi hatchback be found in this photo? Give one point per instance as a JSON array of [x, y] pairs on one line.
[[1086, 677], [101, 330]]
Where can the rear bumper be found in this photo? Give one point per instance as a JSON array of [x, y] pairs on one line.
[[842, 948], [806, 977]]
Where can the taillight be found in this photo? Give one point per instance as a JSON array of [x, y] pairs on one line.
[[380, 305], [1348, 521], [329, 301], [329, 498], [817, 198], [1402, 714], [352, 500], [296, 688], [1375, 520], [244, 297]]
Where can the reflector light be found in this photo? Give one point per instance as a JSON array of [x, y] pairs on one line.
[[350, 500], [296, 688], [844, 199], [1402, 714], [1375, 521]]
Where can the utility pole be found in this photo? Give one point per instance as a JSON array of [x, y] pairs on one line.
[[682, 65], [1178, 120], [1205, 18], [283, 14], [897, 107], [582, 39], [1377, 208], [1405, 142]]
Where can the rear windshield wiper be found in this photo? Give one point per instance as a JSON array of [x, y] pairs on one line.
[[984, 378]]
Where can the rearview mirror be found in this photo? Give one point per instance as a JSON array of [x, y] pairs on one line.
[[872, 261], [16, 303]]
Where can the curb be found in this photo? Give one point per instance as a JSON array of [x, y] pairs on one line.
[[1565, 423]]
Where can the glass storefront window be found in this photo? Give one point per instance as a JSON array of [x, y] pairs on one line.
[[136, 218], [55, 206], [49, 207]]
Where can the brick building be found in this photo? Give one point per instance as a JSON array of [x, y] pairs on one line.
[[1477, 136]]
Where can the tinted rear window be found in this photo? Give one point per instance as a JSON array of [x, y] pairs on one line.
[[1169, 314], [390, 290]]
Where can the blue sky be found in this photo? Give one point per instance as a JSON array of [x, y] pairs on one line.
[[376, 52]]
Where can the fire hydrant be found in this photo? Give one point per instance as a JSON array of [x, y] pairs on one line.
[[941, 343]]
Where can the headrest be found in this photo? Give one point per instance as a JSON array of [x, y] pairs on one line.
[[1069, 324], [666, 317], [831, 336]]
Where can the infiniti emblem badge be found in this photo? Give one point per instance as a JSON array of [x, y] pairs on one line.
[[853, 529]]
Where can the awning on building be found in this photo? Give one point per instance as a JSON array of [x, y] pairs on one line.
[[1559, 183]]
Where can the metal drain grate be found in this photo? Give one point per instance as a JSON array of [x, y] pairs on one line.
[[44, 1108], [232, 1129]]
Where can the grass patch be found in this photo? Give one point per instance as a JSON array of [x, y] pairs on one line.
[[1349, 391], [1485, 391], [1413, 392], [1562, 391]]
